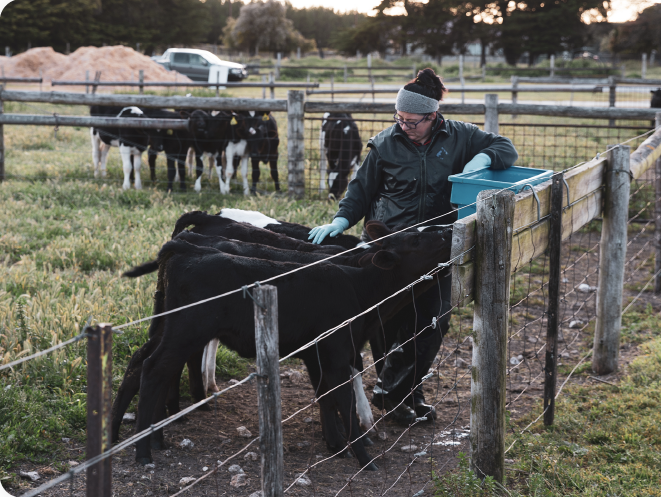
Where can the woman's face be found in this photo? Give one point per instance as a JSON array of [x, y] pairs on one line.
[[422, 131]]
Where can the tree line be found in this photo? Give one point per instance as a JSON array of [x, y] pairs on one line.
[[438, 27]]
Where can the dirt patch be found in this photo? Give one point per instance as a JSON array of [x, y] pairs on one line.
[[116, 63], [401, 472]]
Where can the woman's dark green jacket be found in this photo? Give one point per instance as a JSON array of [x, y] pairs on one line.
[[401, 183]]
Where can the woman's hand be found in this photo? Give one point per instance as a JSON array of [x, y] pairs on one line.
[[480, 161], [335, 228]]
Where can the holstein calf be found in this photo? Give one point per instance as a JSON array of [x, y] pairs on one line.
[[131, 143], [310, 302], [656, 101], [340, 146], [130, 384], [263, 143], [236, 151], [292, 230]]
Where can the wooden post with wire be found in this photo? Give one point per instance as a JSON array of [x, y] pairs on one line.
[[2, 139], [268, 390], [657, 212], [612, 255], [99, 402], [296, 143], [493, 255], [141, 79], [553, 321], [491, 113]]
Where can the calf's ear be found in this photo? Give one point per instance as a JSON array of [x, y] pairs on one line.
[[384, 259], [376, 230], [365, 260]]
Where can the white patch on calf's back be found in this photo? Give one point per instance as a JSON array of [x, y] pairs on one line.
[[252, 113], [347, 129], [254, 218]]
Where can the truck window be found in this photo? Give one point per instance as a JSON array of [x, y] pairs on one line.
[[198, 60], [181, 58]]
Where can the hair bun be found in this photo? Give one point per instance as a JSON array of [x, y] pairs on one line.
[[427, 83]]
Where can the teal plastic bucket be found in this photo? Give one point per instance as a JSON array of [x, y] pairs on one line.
[[466, 186]]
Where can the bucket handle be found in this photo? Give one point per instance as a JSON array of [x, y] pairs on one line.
[[534, 193]]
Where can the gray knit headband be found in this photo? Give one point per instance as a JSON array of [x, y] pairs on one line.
[[408, 101]]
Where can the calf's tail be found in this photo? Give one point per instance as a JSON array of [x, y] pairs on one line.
[[142, 269]]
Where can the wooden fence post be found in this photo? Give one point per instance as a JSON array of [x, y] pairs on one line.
[[272, 88], [612, 253], [332, 83], [296, 143], [552, 66], [268, 390], [491, 113], [643, 70], [515, 94], [493, 254], [345, 74], [657, 214], [553, 321], [2, 139], [141, 79], [99, 402], [612, 87]]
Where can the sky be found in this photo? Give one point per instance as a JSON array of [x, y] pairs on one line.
[[622, 10]]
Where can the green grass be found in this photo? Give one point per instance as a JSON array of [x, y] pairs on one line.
[[63, 247], [606, 440]]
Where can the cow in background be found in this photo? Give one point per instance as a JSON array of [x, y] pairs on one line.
[[340, 146], [264, 142], [131, 143], [656, 101], [236, 152]]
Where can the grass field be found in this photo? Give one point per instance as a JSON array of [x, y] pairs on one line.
[[65, 239]]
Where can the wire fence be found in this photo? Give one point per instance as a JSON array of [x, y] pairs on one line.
[[410, 456]]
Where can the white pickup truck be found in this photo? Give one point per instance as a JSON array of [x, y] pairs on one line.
[[201, 65]]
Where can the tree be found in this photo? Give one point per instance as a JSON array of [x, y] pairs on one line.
[[321, 24], [263, 25], [639, 36], [545, 27]]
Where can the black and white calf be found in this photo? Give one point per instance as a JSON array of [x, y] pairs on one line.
[[237, 150], [131, 143], [263, 142], [340, 146]]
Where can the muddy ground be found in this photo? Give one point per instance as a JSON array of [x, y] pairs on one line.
[[402, 471]]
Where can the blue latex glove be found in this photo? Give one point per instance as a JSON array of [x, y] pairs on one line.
[[480, 161], [335, 228]]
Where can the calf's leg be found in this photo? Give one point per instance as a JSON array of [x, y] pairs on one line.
[[255, 174], [273, 163]]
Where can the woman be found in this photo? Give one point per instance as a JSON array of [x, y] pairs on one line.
[[402, 182]]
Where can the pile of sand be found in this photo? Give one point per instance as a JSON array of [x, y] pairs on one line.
[[115, 63]]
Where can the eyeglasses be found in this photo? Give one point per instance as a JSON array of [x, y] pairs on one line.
[[408, 124]]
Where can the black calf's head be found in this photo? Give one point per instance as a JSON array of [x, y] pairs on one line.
[[656, 98], [411, 252]]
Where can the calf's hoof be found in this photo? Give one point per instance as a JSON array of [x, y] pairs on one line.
[[143, 460], [158, 444], [341, 453], [205, 407], [371, 467], [367, 441]]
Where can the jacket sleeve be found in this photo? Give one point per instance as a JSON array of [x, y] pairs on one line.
[[361, 190], [498, 148]]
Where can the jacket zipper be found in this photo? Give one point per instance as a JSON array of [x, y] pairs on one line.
[[423, 181]]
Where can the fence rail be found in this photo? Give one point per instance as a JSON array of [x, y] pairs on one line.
[[486, 248], [170, 84]]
